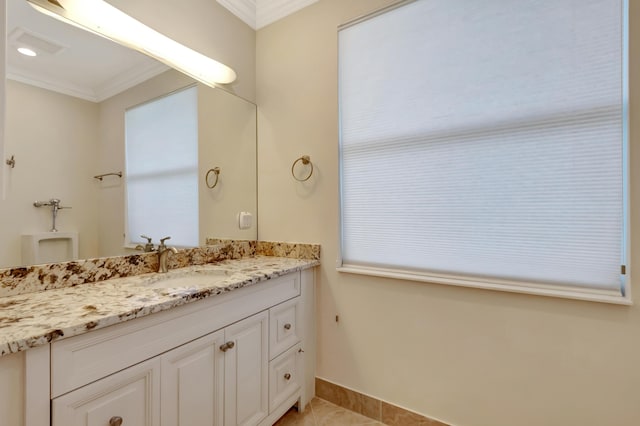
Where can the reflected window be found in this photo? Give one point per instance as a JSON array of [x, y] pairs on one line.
[[162, 169]]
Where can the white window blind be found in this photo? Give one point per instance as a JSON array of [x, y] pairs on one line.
[[484, 140], [162, 169]]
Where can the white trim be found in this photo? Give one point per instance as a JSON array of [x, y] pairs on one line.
[[260, 13], [269, 11], [243, 9], [4, 170], [37, 384], [579, 293], [121, 83], [52, 85], [133, 77], [626, 157]]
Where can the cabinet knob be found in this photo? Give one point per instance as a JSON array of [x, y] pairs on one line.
[[115, 421], [287, 326], [287, 376], [226, 346]]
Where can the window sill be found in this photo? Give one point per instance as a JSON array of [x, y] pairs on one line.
[[592, 295]]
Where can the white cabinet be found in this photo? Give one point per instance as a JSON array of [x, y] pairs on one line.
[[192, 383], [219, 379], [284, 329], [12, 370], [285, 376], [241, 358], [129, 397], [246, 371]]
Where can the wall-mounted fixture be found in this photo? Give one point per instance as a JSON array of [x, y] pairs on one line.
[[100, 177], [99, 17], [11, 162], [306, 162], [215, 171], [55, 207]]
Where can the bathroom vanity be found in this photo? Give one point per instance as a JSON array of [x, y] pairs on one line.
[[227, 343]]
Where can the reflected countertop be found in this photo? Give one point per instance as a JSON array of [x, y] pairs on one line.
[[34, 319]]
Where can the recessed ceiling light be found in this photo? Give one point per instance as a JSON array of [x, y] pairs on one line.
[[26, 51]]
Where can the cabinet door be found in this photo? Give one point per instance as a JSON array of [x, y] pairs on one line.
[[192, 383], [129, 397], [246, 371]]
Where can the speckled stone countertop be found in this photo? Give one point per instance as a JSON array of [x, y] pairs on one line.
[[37, 318]]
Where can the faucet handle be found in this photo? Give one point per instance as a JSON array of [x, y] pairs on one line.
[[147, 238], [162, 240]]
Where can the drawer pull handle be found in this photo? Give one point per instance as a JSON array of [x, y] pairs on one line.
[[225, 347], [115, 421], [287, 376], [287, 326]]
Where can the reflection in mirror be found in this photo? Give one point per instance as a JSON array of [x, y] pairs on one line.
[[66, 125]]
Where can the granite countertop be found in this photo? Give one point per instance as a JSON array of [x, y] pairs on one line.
[[34, 319]]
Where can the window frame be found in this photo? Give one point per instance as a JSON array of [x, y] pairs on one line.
[[623, 297]]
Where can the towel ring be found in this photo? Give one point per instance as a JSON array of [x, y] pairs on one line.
[[216, 171], [306, 160]]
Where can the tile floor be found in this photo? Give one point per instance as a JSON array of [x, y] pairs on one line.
[[322, 413]]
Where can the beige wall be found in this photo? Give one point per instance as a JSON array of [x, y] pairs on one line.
[[466, 356], [54, 140], [226, 139]]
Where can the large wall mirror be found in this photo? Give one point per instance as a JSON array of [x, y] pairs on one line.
[[65, 124]]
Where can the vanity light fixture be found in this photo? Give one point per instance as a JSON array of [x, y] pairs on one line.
[[26, 51], [99, 17]]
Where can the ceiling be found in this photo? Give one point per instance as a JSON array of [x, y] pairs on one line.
[[70, 60], [81, 64]]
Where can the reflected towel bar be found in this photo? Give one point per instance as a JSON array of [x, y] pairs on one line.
[[99, 177]]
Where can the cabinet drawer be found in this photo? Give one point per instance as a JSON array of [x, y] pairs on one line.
[[284, 376], [284, 326], [132, 395]]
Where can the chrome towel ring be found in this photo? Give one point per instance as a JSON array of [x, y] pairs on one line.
[[306, 161], [216, 171]]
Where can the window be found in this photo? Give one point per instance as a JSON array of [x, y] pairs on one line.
[[484, 144], [162, 169]]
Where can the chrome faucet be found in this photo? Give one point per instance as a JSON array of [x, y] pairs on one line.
[[163, 253], [148, 247]]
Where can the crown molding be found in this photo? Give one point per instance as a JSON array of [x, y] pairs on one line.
[[243, 9], [117, 85], [270, 11], [260, 13], [131, 78]]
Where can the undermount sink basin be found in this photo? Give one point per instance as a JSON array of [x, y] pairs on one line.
[[191, 279]]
